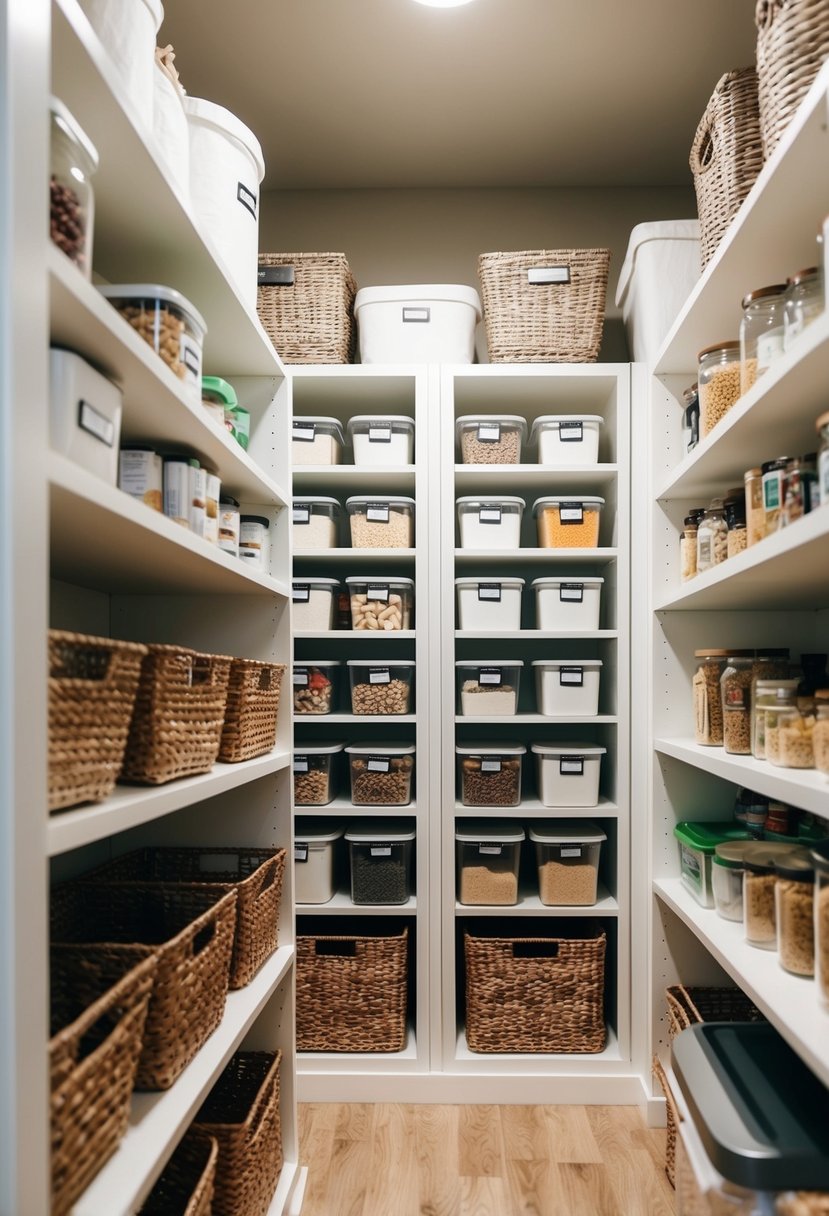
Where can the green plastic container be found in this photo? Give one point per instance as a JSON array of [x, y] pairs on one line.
[[697, 842]]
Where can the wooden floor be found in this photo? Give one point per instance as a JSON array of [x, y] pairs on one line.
[[400, 1160]]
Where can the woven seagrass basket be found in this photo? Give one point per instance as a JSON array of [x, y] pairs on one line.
[[305, 302], [351, 993], [251, 711], [544, 305], [673, 1119], [536, 994], [186, 1186], [792, 45], [92, 687], [98, 1011], [726, 155], [242, 1113]]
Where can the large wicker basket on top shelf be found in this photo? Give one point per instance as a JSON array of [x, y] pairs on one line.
[[792, 44], [305, 302]]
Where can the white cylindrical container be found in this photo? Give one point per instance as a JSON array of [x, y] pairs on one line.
[[569, 439], [382, 439], [313, 601], [254, 542], [177, 491], [567, 688], [568, 773], [128, 30], [315, 845], [489, 604], [170, 130], [229, 525], [226, 169], [314, 522], [490, 523], [141, 475], [422, 323], [565, 604], [84, 414]]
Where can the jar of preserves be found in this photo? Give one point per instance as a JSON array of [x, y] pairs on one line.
[[755, 512], [688, 549], [708, 728], [72, 162], [794, 739], [799, 488], [712, 537], [735, 685], [719, 383], [820, 857], [820, 735], [761, 332], [734, 509], [803, 303], [794, 911], [822, 425], [690, 418], [769, 696]]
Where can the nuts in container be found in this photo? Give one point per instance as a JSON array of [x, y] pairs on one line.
[[712, 537], [736, 702], [313, 773], [315, 686], [167, 322], [381, 774], [491, 439], [380, 689], [380, 606], [490, 773], [381, 523], [73, 161]]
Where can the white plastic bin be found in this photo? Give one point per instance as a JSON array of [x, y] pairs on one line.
[[313, 600], [489, 604], [490, 438], [568, 773], [490, 523], [316, 440], [84, 414], [128, 30], [171, 132], [488, 855], [421, 323], [315, 849], [314, 522], [660, 269], [567, 853], [382, 439], [380, 522], [566, 603], [569, 439], [568, 687], [488, 689]]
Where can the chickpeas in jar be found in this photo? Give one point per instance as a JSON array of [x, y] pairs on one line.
[[719, 383]]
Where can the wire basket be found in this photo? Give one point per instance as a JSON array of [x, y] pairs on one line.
[[305, 302], [792, 44], [186, 1186], [251, 711]]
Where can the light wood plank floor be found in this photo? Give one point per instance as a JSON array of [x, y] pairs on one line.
[[409, 1160]]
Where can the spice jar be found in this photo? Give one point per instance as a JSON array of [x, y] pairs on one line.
[[773, 471], [768, 697], [820, 735], [820, 857], [794, 912], [814, 677], [799, 488], [822, 425], [690, 418], [72, 162], [761, 332], [708, 727], [688, 549], [719, 383], [735, 684], [755, 512], [758, 893], [794, 739], [712, 537], [803, 303], [781, 819], [727, 870], [751, 810], [734, 509]]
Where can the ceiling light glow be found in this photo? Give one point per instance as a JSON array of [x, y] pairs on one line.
[[444, 3]]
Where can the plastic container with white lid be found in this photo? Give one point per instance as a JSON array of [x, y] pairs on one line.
[[128, 30], [567, 686], [489, 604], [568, 603], [380, 604], [489, 774], [490, 523], [570, 522], [313, 603], [381, 688], [491, 438], [380, 854], [315, 847], [417, 323], [567, 853], [380, 521], [488, 854], [313, 766], [167, 322], [568, 773], [315, 686], [488, 689], [571, 439], [381, 773], [314, 522], [316, 439], [382, 439]]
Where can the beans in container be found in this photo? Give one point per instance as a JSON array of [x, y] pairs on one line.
[[73, 161], [380, 855], [491, 439], [381, 774], [719, 383], [167, 322], [490, 774], [378, 688], [314, 783]]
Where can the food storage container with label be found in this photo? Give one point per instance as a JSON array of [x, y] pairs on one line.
[[773, 472], [688, 549], [229, 524], [735, 685], [794, 909], [568, 523], [212, 494], [567, 774], [734, 509], [719, 383], [168, 323], [217, 396], [690, 418], [314, 773], [755, 511], [567, 688], [380, 860], [197, 491], [313, 603], [487, 854], [417, 323], [803, 303], [314, 522], [761, 332], [316, 440], [141, 475], [177, 492], [382, 439], [820, 735], [759, 920], [73, 160], [800, 489], [697, 842], [381, 688], [712, 537], [381, 773], [490, 523], [254, 542], [488, 689], [316, 686], [769, 697], [727, 869], [567, 855], [706, 696], [84, 414], [381, 605], [315, 855], [795, 731], [567, 603], [490, 438], [380, 522], [820, 857], [489, 774], [489, 605], [569, 439]]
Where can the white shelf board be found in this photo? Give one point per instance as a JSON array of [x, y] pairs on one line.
[[532, 808], [789, 1002], [103, 539], [804, 788], [290, 1189], [566, 1063], [345, 805], [357, 1061], [541, 479], [342, 480], [530, 905], [354, 635], [157, 1120], [129, 806], [339, 555], [351, 719], [157, 409], [536, 719], [341, 905], [533, 555], [538, 635]]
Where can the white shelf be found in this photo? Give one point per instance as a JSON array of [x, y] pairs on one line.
[[529, 904], [129, 806], [358, 556], [789, 1002], [532, 808], [532, 555], [539, 478], [342, 480], [344, 805], [340, 905], [157, 1120], [353, 635], [537, 635], [353, 719], [536, 719]]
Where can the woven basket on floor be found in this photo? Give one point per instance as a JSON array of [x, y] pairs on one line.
[[534, 994], [351, 992], [309, 316], [92, 687], [191, 936], [242, 1113], [98, 1010], [186, 1186], [792, 45], [544, 305], [672, 1122], [254, 874], [726, 155], [251, 710], [179, 712]]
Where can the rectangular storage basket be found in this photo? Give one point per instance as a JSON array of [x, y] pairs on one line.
[[309, 316], [98, 1011], [254, 874], [92, 687], [186, 1186], [251, 710], [792, 44], [544, 305], [536, 994], [190, 934], [179, 713], [672, 1119], [351, 993], [242, 1113]]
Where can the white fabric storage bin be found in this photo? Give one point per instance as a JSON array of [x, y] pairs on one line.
[[659, 272], [313, 603], [316, 440], [490, 523], [566, 604], [489, 604], [382, 439], [172, 135], [571, 439], [315, 846], [569, 687], [226, 168], [84, 414], [421, 323], [314, 522], [128, 29], [568, 773]]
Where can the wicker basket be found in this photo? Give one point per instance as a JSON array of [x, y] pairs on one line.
[[251, 711], [242, 1113], [351, 993], [673, 1119], [254, 874], [544, 305], [690, 1006], [792, 44], [98, 1010], [802, 1203], [186, 1186], [191, 936], [726, 155], [92, 687], [307, 309], [534, 994], [179, 712]]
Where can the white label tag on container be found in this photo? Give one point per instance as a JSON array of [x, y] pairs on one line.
[[300, 852], [571, 593], [571, 766], [492, 850], [377, 591], [378, 512], [95, 423], [379, 675], [570, 852], [570, 432], [489, 515], [378, 764], [301, 594], [489, 675], [379, 434], [489, 591], [571, 675], [490, 766], [301, 515], [571, 513], [380, 850], [300, 764], [304, 432], [489, 432], [300, 679]]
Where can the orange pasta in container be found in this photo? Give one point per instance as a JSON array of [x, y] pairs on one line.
[[568, 523]]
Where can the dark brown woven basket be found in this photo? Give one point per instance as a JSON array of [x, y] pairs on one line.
[[179, 712], [92, 687], [191, 935], [255, 875], [726, 155], [242, 1113], [309, 316], [544, 305], [536, 994], [792, 45], [186, 1186], [690, 1006], [251, 710], [673, 1119], [98, 1010], [351, 993]]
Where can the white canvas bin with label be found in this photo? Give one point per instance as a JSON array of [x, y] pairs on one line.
[[315, 846], [568, 773], [570, 439], [489, 604], [569, 687], [421, 323], [490, 523], [84, 414], [567, 603], [659, 272], [382, 439]]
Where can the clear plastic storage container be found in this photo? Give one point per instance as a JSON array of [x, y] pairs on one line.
[[378, 522], [569, 439], [381, 605], [314, 776], [567, 853], [697, 844], [489, 604], [316, 686], [820, 857], [796, 735], [381, 688], [820, 735], [568, 523], [491, 438], [707, 696], [727, 870], [380, 861], [381, 773], [313, 604], [314, 522], [315, 857], [488, 854], [489, 774], [488, 689], [567, 603], [794, 909], [567, 687], [382, 439], [316, 440], [490, 523], [73, 160], [168, 323], [568, 774], [803, 303]]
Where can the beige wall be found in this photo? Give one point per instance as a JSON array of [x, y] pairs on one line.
[[435, 236]]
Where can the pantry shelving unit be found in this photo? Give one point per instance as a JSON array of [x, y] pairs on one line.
[[775, 593], [118, 568]]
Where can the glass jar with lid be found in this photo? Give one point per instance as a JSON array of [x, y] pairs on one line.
[[688, 549], [735, 685], [72, 162], [727, 869], [773, 472], [794, 911], [755, 511], [770, 664], [820, 857], [761, 332], [822, 425], [769, 697], [759, 920], [734, 509], [776, 715], [712, 537], [799, 488], [820, 735], [803, 303], [719, 383], [690, 418], [707, 700], [794, 739], [751, 810]]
